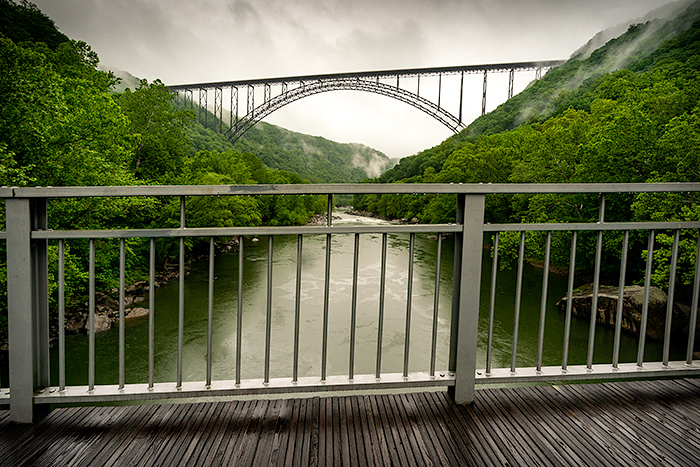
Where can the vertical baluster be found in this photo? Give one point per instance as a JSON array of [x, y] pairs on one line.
[[543, 302], [122, 272], [380, 320], [297, 310], [518, 297], [569, 293], [436, 304], [61, 316], [91, 311], [409, 294], [326, 291], [353, 307], [326, 296], [671, 293], [620, 299], [268, 317], [596, 286], [694, 307], [645, 305], [151, 310], [210, 309], [181, 297], [492, 303], [594, 303], [239, 316]]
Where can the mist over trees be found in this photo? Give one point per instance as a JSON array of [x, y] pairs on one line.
[[582, 123]]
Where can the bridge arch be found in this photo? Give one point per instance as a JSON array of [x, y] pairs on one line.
[[309, 88]]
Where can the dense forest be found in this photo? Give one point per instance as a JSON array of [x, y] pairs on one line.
[[63, 124], [628, 112], [624, 112]]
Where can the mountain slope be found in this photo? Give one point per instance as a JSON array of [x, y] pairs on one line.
[[311, 157]]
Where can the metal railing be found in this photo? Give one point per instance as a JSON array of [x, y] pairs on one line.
[[28, 237]]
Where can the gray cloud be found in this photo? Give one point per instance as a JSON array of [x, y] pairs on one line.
[[181, 41]]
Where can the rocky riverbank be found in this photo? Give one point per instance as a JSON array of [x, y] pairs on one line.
[[633, 300]]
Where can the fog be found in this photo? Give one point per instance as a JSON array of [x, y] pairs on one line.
[[180, 41]]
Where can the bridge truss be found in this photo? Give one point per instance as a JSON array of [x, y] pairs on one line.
[[386, 83]]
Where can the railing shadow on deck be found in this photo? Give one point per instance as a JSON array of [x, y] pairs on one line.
[[28, 234]]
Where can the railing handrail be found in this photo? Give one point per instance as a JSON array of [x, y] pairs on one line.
[[344, 189], [27, 239]]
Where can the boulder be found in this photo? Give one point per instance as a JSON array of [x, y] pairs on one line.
[[136, 312], [102, 323], [633, 298], [75, 322]]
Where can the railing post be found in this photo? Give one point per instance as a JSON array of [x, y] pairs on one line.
[[465, 297], [27, 300]]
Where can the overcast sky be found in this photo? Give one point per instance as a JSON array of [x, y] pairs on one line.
[[185, 41]]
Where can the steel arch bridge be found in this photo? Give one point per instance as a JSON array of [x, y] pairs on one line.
[[386, 83]]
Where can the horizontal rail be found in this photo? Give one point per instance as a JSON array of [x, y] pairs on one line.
[[102, 393], [406, 72], [598, 372], [347, 189], [247, 231], [598, 226]]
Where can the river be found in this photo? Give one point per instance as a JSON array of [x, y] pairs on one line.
[[311, 316]]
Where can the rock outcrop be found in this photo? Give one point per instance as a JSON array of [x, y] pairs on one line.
[[633, 298]]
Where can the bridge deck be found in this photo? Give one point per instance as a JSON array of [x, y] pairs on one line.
[[621, 423]]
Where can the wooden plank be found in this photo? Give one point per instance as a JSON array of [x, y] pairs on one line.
[[199, 430], [450, 425], [602, 443], [638, 423], [178, 429], [169, 433], [363, 431], [245, 451], [588, 441], [300, 431], [66, 442], [673, 404], [353, 442], [645, 427], [630, 439], [18, 437], [143, 439], [105, 436], [428, 419], [221, 420], [307, 432], [398, 431], [541, 443], [281, 438], [509, 425], [294, 424], [237, 429], [325, 433], [561, 430], [165, 434], [390, 427], [380, 447], [384, 430], [313, 447], [413, 430]]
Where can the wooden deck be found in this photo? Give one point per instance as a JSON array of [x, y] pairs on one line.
[[621, 423]]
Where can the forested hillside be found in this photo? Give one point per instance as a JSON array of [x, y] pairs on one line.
[[62, 124], [585, 121], [311, 157]]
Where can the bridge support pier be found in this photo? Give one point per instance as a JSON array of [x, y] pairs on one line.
[[28, 307], [465, 296]]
